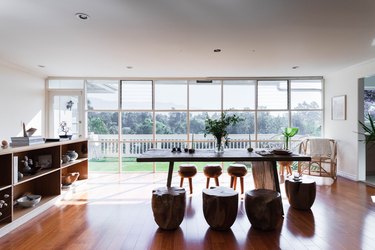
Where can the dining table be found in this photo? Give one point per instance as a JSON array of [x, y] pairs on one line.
[[263, 162]]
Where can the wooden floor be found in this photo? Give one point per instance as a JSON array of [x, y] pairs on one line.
[[114, 212]]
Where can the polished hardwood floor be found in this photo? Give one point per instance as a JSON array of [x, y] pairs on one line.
[[111, 211]]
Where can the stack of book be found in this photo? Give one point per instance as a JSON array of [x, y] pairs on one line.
[[26, 141]]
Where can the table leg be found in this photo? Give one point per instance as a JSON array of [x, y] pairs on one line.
[[170, 173], [275, 176], [266, 177], [277, 183]]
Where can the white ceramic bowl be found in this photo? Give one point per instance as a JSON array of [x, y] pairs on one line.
[[29, 200]]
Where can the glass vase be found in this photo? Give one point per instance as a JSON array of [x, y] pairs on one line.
[[219, 147]]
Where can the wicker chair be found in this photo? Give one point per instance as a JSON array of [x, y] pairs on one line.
[[323, 154]]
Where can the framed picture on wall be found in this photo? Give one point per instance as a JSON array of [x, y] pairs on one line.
[[338, 107]]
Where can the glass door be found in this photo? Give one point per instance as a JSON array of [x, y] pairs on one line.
[[66, 109]]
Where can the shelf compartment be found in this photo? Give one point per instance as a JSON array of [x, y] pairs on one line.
[[79, 165], [6, 211], [44, 185], [5, 170], [80, 147], [34, 154], [36, 176], [19, 212]]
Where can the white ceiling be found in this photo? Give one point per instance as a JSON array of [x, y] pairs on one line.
[[176, 38]]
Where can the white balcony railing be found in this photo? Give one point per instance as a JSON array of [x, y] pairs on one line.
[[102, 146]]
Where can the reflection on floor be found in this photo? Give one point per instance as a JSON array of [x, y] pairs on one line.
[[113, 211]]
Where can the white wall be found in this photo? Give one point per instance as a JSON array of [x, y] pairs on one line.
[[22, 100], [345, 82]]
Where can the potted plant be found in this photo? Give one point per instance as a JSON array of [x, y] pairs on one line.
[[289, 133], [369, 130], [65, 129], [218, 128]]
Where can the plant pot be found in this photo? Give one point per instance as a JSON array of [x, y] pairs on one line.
[[66, 136]]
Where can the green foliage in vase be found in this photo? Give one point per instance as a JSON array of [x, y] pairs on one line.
[[218, 127], [369, 130], [289, 133]]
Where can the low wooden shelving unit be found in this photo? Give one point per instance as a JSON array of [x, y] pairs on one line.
[[46, 182]]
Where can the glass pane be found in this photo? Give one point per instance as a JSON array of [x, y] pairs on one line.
[[65, 84], [102, 155], [272, 95], [306, 94], [170, 124], [171, 95], [369, 97], [309, 123], [205, 96], [66, 109], [271, 125], [137, 130], [197, 121], [102, 94], [369, 102], [239, 94], [241, 134], [136, 95], [103, 124], [137, 123], [104, 144], [171, 129]]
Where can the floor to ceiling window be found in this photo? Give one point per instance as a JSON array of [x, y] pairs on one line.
[[127, 117]]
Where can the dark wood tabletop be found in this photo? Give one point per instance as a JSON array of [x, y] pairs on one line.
[[166, 155]]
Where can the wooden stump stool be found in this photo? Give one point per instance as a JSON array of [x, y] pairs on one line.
[[220, 205], [168, 206], [263, 208], [301, 194], [237, 170], [212, 171], [187, 171]]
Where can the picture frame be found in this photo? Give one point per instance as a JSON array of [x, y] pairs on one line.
[[338, 107], [45, 161]]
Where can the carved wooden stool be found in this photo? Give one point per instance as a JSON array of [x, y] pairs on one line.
[[285, 165], [187, 171], [236, 170], [220, 205], [212, 171], [263, 208], [168, 206], [301, 194]]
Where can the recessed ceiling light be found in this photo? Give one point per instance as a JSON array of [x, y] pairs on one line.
[[129, 67], [41, 66], [295, 67], [217, 50], [82, 16]]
